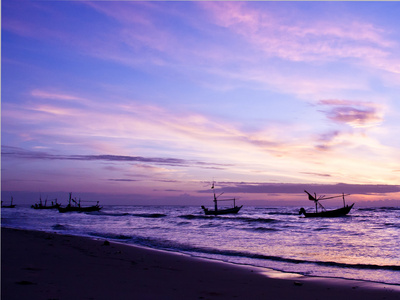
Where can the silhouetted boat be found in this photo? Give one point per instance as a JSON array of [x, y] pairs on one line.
[[41, 206], [76, 206], [233, 210], [8, 206], [340, 212]]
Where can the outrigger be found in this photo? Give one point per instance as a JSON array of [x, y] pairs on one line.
[[233, 210], [340, 212]]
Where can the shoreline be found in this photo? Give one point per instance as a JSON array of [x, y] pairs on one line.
[[41, 265]]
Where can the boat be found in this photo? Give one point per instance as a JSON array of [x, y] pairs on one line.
[[340, 212], [54, 205], [8, 206], [74, 205], [233, 210]]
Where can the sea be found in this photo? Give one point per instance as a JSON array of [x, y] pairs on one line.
[[364, 245]]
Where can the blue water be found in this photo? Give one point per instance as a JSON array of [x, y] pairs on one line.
[[364, 245]]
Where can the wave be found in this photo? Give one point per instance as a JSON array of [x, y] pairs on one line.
[[257, 220], [173, 246], [154, 215], [380, 209], [300, 261], [193, 217], [226, 218], [183, 223], [59, 227], [283, 213], [143, 215], [111, 236], [111, 214], [210, 225], [262, 229], [323, 229], [393, 225]]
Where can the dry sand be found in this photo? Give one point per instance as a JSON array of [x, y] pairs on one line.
[[38, 265]]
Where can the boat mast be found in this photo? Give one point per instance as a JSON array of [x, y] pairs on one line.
[[344, 203], [316, 202], [215, 197]]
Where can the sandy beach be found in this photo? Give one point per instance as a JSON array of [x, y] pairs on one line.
[[39, 265]]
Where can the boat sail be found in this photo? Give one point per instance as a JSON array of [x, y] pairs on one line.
[[340, 212], [233, 210]]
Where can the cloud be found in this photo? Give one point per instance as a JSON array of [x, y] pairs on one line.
[[353, 113], [326, 140], [242, 43], [300, 38], [293, 188], [55, 96], [262, 27], [157, 134], [153, 131], [316, 174], [306, 43], [19, 153], [123, 180], [123, 121], [234, 42]]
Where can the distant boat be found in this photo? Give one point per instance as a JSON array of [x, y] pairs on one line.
[[340, 212], [41, 206], [8, 206], [233, 210], [74, 205]]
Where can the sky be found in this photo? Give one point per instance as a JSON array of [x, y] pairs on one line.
[[149, 102]]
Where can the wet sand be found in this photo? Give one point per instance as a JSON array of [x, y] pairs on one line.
[[38, 265]]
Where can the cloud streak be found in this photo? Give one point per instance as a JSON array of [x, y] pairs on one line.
[[315, 39], [132, 124], [289, 188], [141, 37], [13, 152]]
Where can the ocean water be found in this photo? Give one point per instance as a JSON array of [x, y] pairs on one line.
[[365, 245]]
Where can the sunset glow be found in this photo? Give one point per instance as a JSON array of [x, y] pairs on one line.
[[148, 102]]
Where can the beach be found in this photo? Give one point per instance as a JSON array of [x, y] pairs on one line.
[[41, 265]]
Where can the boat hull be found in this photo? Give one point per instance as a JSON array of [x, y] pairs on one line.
[[330, 213], [45, 207], [79, 209], [233, 210]]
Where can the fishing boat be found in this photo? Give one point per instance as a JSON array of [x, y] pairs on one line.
[[8, 206], [54, 205], [233, 210], [74, 205], [340, 212]]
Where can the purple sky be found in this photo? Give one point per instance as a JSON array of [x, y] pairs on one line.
[[148, 102]]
